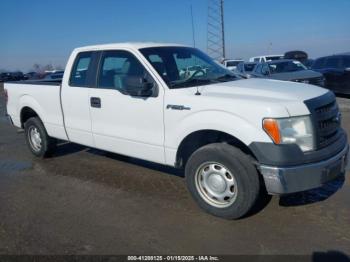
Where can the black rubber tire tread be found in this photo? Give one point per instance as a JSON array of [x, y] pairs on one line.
[[48, 143], [241, 167]]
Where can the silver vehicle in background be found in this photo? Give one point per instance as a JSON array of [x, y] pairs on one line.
[[288, 70], [265, 58]]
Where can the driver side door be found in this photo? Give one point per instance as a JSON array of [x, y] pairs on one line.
[[122, 123]]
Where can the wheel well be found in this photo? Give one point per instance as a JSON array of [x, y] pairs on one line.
[[202, 138], [27, 113]]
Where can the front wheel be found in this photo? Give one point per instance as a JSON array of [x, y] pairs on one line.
[[38, 141], [222, 180]]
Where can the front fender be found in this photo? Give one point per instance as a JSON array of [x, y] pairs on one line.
[[222, 121]]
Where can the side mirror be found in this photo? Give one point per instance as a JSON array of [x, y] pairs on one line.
[[139, 86], [347, 69]]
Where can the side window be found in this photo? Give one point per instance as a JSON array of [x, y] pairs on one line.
[[346, 62], [333, 62], [79, 74], [122, 71], [319, 63]]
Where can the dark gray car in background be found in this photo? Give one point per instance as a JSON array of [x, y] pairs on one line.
[[288, 70]]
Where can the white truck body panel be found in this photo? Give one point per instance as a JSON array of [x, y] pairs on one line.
[[76, 109], [174, 105], [145, 128], [43, 99], [128, 125], [257, 99]]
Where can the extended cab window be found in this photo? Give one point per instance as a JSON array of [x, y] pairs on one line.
[[79, 75], [122, 71]]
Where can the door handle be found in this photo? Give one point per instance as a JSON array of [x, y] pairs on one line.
[[95, 102]]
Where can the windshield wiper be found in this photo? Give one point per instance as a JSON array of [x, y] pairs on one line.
[[190, 82], [226, 77]]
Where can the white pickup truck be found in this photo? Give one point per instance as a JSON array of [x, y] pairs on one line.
[[236, 139]]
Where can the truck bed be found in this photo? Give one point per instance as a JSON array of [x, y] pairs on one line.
[[43, 96]]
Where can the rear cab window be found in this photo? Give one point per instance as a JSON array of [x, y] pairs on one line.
[[84, 70]]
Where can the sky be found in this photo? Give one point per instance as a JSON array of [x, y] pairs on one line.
[[46, 31]]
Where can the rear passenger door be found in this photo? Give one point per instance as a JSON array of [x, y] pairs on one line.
[[123, 123], [75, 98]]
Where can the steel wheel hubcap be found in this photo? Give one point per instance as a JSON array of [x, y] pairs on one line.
[[216, 184], [34, 138]]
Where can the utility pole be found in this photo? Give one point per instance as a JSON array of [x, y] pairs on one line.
[[223, 29], [216, 30]]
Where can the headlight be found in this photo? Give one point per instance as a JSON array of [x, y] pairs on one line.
[[293, 130]]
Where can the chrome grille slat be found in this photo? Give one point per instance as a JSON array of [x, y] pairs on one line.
[[325, 114]]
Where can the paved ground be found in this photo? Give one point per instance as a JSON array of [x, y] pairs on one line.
[[86, 201]]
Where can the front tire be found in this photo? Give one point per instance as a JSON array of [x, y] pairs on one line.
[[223, 180], [37, 139]]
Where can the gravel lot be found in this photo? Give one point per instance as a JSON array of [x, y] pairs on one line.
[[85, 201]]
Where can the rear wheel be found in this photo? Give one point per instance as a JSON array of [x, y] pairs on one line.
[[222, 180], [38, 141]]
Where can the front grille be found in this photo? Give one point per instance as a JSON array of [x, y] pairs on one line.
[[326, 108], [326, 119]]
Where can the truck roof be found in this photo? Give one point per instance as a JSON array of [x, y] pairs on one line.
[[131, 45]]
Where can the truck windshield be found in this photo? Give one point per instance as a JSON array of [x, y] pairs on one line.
[[182, 67]]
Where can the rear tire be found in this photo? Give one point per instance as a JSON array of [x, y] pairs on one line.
[[37, 139], [223, 180]]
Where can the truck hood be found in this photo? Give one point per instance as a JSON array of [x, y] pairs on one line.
[[265, 88], [290, 95]]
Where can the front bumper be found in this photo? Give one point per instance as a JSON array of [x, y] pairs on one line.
[[284, 180]]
